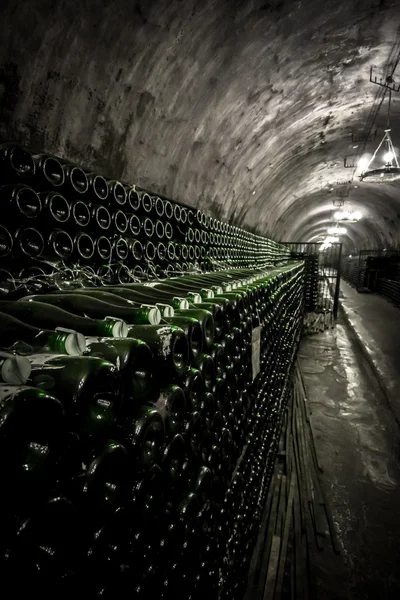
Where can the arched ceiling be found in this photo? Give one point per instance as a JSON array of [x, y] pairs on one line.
[[244, 108]]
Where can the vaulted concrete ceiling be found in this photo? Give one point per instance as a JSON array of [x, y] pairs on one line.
[[244, 108]]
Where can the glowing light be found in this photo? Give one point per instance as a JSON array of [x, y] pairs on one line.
[[337, 230], [363, 162], [347, 215], [388, 157]]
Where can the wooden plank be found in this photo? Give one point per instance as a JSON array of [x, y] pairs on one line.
[[281, 508], [270, 582], [298, 544], [285, 539], [268, 538], [313, 448], [255, 565]]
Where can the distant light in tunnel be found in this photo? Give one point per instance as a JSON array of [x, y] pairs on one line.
[[337, 230], [347, 215]]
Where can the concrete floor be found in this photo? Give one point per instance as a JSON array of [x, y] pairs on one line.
[[357, 442]]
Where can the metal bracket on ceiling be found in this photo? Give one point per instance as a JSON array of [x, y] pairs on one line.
[[363, 138], [387, 82], [341, 182], [338, 202], [349, 163]]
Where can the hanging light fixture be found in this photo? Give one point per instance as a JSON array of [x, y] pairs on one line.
[[389, 170], [350, 216]]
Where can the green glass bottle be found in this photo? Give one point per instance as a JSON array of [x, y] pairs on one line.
[[40, 314], [206, 321], [19, 338], [205, 364], [169, 346], [145, 293], [89, 389], [193, 331], [133, 359], [85, 306]]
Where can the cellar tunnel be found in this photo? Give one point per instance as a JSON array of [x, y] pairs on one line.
[[198, 396], [246, 109]]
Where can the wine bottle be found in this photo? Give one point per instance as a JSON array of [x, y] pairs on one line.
[[100, 217], [193, 385], [88, 387], [193, 331], [117, 193], [48, 174], [133, 198], [44, 315], [24, 339], [206, 321], [56, 208], [83, 246], [19, 202], [107, 481], [98, 188], [124, 297], [169, 346], [80, 215], [120, 221], [103, 248], [171, 404], [76, 181], [146, 436], [6, 242], [29, 242], [32, 427], [135, 225], [85, 305], [16, 163], [177, 469], [145, 293], [205, 364], [59, 244], [120, 248], [132, 357], [47, 547]]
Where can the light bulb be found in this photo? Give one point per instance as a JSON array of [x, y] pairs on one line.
[[388, 157], [357, 215], [363, 162]]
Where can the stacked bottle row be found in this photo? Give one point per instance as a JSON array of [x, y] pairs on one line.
[[60, 212], [139, 426]]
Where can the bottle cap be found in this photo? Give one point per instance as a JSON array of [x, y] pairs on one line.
[[74, 342], [183, 303], [154, 316], [116, 328], [167, 310], [196, 298], [124, 330], [15, 369], [208, 293]]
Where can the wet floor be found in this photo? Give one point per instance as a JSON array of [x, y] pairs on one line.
[[357, 442]]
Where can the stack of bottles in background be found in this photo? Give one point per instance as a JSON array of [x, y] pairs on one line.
[[139, 421], [59, 213]]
